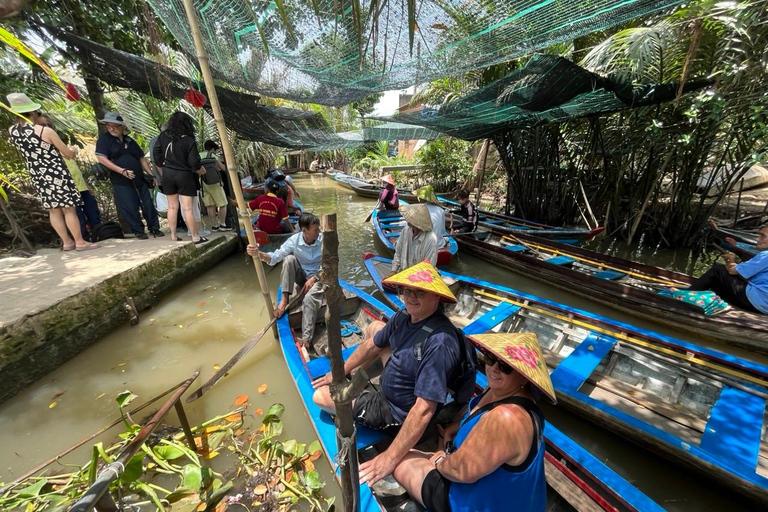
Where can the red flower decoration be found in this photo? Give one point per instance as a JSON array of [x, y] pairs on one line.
[[72, 94], [524, 354], [195, 97], [422, 276]]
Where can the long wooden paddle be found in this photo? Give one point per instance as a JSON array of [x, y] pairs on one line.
[[233, 361], [368, 218]]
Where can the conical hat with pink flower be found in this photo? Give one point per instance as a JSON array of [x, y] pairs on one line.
[[422, 276], [522, 352]]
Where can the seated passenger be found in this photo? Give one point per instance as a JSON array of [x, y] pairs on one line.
[[744, 285], [436, 213], [417, 242], [468, 214], [273, 214], [388, 195], [494, 456], [425, 362]]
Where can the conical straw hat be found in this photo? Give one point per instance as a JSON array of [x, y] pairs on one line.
[[522, 352], [417, 215], [387, 178], [422, 276]]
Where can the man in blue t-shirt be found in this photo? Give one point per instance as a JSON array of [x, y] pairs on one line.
[[424, 358], [745, 284]]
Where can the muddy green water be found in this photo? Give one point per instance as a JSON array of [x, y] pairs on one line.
[[206, 321]]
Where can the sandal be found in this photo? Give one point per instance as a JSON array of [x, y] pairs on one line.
[[68, 247], [88, 247], [201, 240], [177, 239]]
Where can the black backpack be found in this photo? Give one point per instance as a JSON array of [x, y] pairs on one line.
[[211, 176], [462, 384], [106, 230]]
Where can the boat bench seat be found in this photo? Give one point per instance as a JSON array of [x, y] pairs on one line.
[[609, 274], [516, 248], [734, 427], [393, 234], [491, 319], [575, 369], [322, 365], [560, 260]]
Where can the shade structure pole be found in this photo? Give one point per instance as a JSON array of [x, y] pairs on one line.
[[210, 87]]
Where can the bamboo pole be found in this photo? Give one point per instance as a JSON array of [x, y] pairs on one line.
[[345, 428], [210, 87]]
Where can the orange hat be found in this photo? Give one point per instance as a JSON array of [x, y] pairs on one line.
[[387, 178], [422, 276], [522, 352]]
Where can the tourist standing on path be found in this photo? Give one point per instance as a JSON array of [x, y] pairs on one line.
[[177, 156], [44, 154], [301, 255], [273, 214], [496, 452], [417, 241], [214, 197], [744, 285], [119, 153], [388, 195], [88, 213], [436, 213]]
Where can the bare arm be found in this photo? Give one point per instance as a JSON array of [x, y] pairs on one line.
[[145, 166], [51, 137], [511, 430], [413, 428]]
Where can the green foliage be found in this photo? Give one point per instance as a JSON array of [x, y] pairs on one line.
[[446, 159]]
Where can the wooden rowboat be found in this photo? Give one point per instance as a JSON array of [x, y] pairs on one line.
[[693, 405], [388, 225], [270, 241], [372, 191], [745, 241], [577, 481], [515, 225], [626, 285]]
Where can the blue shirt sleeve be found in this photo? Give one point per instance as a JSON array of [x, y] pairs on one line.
[[102, 146], [754, 265], [381, 338], [438, 364]]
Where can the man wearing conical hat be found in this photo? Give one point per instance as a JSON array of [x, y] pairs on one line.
[[426, 355], [496, 452], [417, 241], [427, 195]]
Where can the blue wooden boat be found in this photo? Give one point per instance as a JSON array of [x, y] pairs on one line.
[[696, 406], [388, 225], [514, 225], [577, 481], [745, 241]]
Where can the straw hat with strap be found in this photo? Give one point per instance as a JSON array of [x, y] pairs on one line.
[[417, 215], [422, 276]]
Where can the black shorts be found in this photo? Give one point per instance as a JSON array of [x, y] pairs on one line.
[[434, 492], [179, 182], [371, 409]]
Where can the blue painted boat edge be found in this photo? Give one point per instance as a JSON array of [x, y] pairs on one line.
[[453, 246], [662, 338], [325, 430], [611, 481], [375, 219], [391, 297]]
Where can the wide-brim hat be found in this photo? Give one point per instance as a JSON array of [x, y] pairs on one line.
[[114, 118], [387, 178], [522, 352], [422, 276], [427, 193], [417, 215], [20, 103]]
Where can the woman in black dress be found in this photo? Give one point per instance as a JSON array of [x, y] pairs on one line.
[[43, 149]]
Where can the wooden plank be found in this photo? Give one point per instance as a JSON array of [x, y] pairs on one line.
[[734, 427], [491, 318], [568, 490], [575, 369]]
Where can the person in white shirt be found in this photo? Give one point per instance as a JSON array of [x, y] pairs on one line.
[[417, 241], [436, 213]]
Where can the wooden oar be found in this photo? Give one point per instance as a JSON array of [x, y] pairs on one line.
[[233, 361], [368, 218]]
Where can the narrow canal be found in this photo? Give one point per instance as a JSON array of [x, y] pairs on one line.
[[203, 323]]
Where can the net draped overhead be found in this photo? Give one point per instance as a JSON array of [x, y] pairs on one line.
[[332, 53]]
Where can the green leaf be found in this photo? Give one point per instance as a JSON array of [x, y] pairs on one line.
[[180, 493], [125, 398], [33, 490], [312, 480], [289, 446], [58, 504], [273, 414], [192, 477], [207, 477], [152, 495], [168, 452], [134, 469], [219, 493], [314, 446]]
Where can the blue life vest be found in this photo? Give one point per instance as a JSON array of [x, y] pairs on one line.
[[521, 488]]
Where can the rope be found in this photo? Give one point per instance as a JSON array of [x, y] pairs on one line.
[[113, 469], [346, 445]]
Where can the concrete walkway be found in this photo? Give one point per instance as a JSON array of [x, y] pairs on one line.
[[56, 303]]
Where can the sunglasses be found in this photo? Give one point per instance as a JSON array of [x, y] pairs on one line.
[[490, 360], [407, 292]]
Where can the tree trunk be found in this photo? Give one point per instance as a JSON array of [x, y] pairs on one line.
[[96, 95]]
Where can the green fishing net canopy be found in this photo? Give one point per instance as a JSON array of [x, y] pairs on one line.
[[333, 52]]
